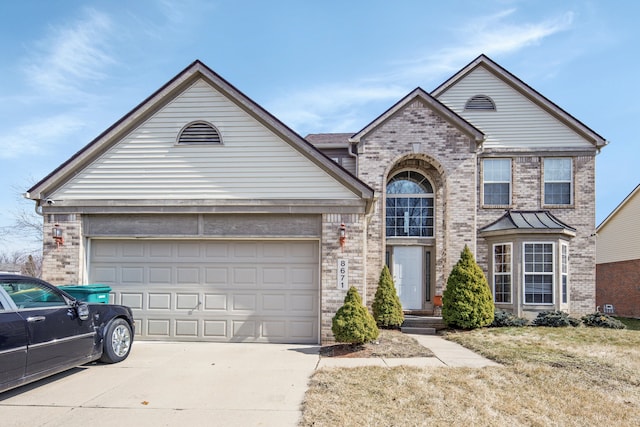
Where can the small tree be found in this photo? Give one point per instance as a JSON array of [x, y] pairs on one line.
[[467, 301], [387, 309], [353, 323]]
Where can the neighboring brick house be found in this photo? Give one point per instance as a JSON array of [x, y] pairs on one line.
[[215, 221], [618, 259]]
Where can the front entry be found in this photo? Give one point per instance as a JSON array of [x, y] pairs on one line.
[[408, 276]]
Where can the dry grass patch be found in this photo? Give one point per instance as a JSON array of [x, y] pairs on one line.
[[551, 376], [390, 344]]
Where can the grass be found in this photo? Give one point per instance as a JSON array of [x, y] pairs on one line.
[[632, 324], [550, 376]]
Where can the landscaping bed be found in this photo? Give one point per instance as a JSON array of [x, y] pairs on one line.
[[390, 344]]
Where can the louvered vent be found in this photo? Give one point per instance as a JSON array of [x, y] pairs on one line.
[[480, 102], [199, 133]]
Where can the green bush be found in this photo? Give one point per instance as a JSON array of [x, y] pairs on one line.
[[387, 309], [353, 323], [503, 319], [602, 320], [467, 301], [556, 319]]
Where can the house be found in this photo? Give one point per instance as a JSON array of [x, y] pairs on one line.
[[618, 259], [215, 221]]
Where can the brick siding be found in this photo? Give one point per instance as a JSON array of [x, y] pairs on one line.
[[619, 285]]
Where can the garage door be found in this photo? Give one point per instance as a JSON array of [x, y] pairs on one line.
[[258, 291]]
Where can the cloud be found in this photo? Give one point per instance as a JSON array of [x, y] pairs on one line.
[[71, 56], [35, 136], [331, 106]]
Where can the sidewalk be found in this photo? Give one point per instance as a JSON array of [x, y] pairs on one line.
[[446, 353]]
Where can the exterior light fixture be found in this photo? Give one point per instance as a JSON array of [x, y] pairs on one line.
[[57, 235], [343, 236]]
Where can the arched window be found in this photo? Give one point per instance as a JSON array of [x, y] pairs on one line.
[[480, 102], [409, 210], [199, 133]]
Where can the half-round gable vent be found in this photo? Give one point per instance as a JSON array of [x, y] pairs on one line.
[[199, 133], [480, 102]]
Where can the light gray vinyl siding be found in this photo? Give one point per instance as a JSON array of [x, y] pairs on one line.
[[619, 239], [251, 162], [517, 123]]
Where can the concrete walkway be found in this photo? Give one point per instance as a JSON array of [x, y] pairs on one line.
[[446, 353]]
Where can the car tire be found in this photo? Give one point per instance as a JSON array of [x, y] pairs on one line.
[[117, 341]]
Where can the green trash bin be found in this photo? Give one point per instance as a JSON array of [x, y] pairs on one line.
[[89, 293]]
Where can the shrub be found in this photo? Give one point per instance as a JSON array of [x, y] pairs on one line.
[[505, 319], [556, 319], [467, 301], [602, 320], [387, 309], [353, 323]]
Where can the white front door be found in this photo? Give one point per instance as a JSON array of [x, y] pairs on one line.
[[407, 275]]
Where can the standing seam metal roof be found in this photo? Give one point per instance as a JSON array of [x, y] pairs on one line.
[[527, 220]]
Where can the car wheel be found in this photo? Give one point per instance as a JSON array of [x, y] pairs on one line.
[[117, 341]]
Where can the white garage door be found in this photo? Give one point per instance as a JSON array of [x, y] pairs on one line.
[[258, 291]]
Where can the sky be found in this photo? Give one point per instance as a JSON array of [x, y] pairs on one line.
[[70, 69]]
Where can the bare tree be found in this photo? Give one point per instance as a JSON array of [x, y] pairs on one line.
[[28, 264], [23, 238], [27, 223]]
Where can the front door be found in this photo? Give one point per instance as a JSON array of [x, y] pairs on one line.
[[408, 275]]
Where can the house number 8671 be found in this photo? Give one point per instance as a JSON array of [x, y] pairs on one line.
[[343, 274]]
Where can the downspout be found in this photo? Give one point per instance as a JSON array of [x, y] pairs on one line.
[[38, 211], [352, 154]]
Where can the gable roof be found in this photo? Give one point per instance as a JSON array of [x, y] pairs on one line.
[[435, 105], [160, 98], [540, 221], [635, 192], [527, 91]]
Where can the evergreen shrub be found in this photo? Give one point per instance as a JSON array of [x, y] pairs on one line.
[[353, 323], [602, 320], [503, 319], [467, 302], [387, 309], [555, 319]]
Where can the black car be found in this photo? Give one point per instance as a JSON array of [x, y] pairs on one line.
[[44, 330]]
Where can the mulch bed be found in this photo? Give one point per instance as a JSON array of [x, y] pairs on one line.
[[390, 344], [346, 350]]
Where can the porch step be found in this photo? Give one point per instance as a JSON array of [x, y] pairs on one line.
[[419, 331], [426, 325]]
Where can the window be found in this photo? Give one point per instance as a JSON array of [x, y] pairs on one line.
[[480, 102], [538, 273], [564, 271], [199, 133], [409, 207], [32, 295], [496, 181], [557, 181], [502, 273]]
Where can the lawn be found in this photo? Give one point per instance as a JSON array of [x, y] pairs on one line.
[[550, 376]]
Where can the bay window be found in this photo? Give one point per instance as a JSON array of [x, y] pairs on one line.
[[502, 273], [538, 273]]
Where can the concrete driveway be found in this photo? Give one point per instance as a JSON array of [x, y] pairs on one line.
[[172, 384]]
